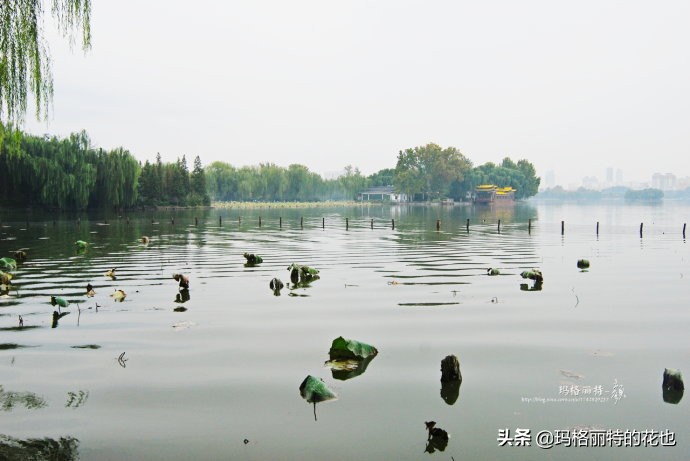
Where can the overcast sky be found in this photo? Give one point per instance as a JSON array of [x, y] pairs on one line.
[[574, 87]]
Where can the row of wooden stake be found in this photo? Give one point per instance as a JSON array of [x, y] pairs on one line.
[[347, 224]]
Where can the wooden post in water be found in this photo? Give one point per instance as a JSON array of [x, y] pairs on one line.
[[372, 223], [499, 226], [393, 224], [196, 221], [597, 228], [438, 224], [280, 222], [562, 227], [684, 224], [259, 221], [172, 220], [220, 221], [301, 222], [323, 223], [239, 220], [641, 224], [347, 223], [529, 226], [468, 224]]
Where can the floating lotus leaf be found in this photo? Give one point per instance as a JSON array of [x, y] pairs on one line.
[[253, 259], [302, 273], [314, 390], [583, 264], [8, 264], [350, 349], [534, 274], [81, 244], [56, 300]]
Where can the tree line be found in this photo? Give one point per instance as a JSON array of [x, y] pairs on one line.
[[270, 182], [68, 174]]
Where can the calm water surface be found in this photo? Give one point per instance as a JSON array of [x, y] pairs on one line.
[[196, 384]]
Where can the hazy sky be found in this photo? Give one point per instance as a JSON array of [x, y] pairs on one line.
[[572, 86]]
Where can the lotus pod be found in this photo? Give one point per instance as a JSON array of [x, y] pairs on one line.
[[583, 264], [314, 390], [19, 255], [5, 278], [350, 349], [8, 264], [62, 302], [182, 279], [276, 284], [493, 271], [119, 295]]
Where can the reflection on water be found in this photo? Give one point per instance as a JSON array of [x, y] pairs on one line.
[[536, 286], [223, 362], [10, 399], [437, 438], [62, 449], [76, 399], [182, 296]]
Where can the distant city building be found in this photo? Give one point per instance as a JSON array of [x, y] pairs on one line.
[[609, 175], [664, 181], [590, 182]]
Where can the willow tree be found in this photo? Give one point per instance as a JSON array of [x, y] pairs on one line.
[[24, 58]]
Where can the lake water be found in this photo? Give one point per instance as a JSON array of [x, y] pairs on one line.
[[220, 380]]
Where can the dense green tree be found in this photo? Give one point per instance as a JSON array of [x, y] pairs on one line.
[[429, 170], [199, 193], [520, 176], [66, 173], [149, 190], [351, 182], [381, 178], [24, 57]]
